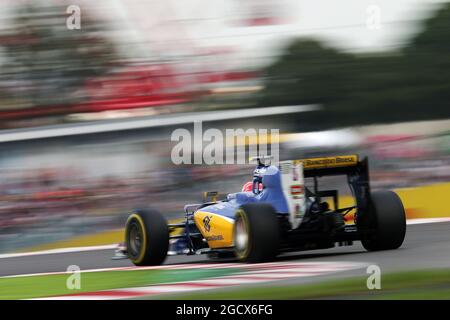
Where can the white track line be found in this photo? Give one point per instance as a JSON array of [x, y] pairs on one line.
[[262, 275], [161, 289], [294, 270], [427, 220], [56, 251], [80, 298]]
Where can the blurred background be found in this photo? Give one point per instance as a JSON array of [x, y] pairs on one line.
[[86, 114]]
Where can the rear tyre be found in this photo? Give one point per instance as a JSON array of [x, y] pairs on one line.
[[383, 227], [146, 237], [256, 233]]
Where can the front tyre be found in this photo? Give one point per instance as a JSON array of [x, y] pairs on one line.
[[146, 237], [383, 227], [256, 233]]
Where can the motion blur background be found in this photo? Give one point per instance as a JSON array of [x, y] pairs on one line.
[[86, 114]]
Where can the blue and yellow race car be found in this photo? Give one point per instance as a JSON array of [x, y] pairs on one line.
[[278, 214]]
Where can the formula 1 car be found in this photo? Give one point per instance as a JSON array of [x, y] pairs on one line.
[[279, 214]]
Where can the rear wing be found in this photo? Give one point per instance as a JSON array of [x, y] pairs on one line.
[[356, 170], [337, 165]]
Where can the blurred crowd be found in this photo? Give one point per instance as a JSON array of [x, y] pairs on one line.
[[50, 204], [46, 203]]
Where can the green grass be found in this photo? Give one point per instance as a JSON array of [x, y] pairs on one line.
[[426, 284], [52, 285]]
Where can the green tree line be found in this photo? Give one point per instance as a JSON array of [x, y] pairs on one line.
[[412, 83]]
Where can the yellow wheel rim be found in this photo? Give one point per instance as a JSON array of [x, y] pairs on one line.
[[241, 235], [143, 248]]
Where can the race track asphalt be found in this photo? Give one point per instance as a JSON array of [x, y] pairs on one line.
[[426, 246]]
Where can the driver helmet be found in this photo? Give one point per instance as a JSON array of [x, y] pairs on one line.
[[248, 187]]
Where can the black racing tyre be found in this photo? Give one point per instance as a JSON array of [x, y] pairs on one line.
[[146, 237], [383, 227], [256, 233]]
